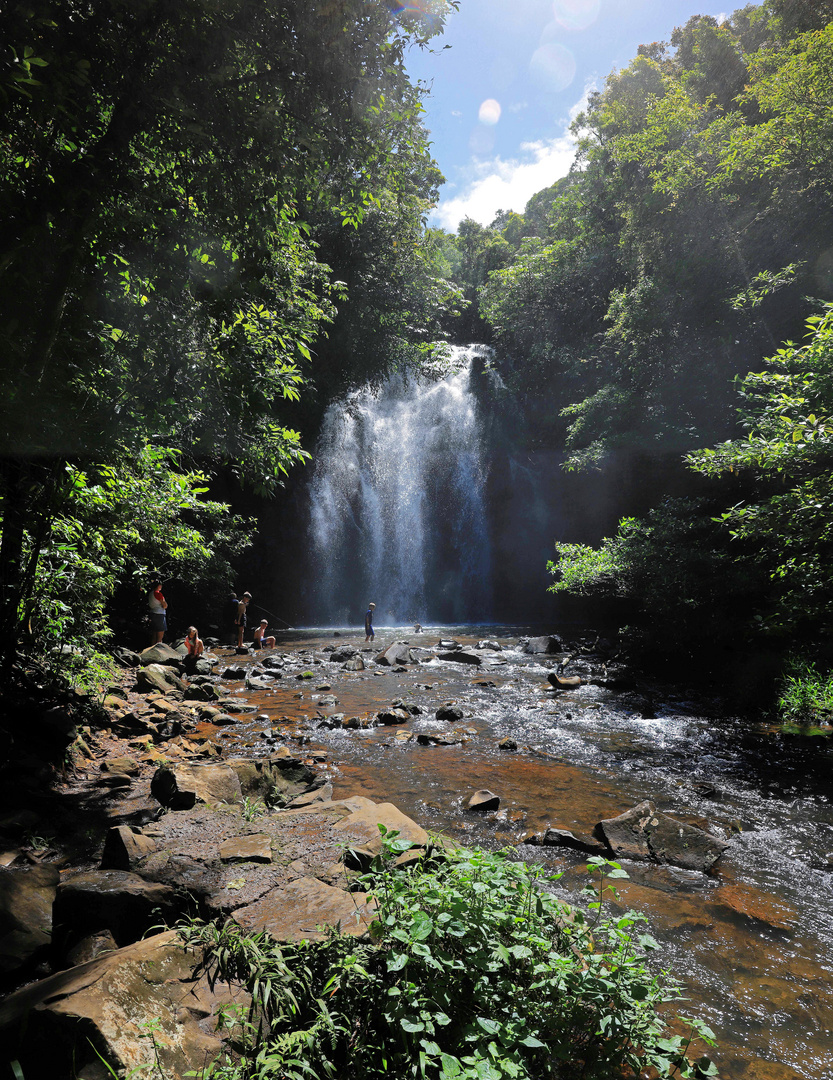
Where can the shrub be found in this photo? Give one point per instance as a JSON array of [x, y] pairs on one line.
[[806, 695], [475, 972]]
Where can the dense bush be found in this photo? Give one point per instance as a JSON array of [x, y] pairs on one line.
[[474, 971]]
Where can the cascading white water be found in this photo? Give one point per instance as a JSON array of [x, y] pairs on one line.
[[397, 503]]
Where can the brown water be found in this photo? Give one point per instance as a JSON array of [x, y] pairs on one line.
[[752, 943]]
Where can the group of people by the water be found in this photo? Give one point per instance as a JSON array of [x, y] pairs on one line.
[[158, 606]]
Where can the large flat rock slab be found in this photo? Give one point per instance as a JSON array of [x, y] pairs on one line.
[[643, 833], [54, 1027], [362, 826], [256, 849], [304, 909]]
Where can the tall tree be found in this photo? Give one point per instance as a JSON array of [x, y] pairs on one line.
[[158, 277]]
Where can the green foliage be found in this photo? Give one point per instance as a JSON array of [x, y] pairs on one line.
[[787, 459], [688, 587], [806, 694], [476, 972], [171, 178], [110, 526]]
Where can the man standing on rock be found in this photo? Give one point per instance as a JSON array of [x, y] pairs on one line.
[[368, 623], [241, 617]]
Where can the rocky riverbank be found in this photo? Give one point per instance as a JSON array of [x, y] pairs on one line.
[[154, 822]]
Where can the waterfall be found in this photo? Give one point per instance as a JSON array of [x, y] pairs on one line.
[[397, 503]]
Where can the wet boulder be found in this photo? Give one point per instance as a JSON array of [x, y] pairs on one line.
[[26, 898], [538, 645], [59, 1026], [156, 678], [449, 713], [181, 786], [483, 800], [234, 671], [643, 833], [493, 646], [354, 664], [281, 774], [343, 653], [395, 655], [160, 654], [577, 842], [393, 716], [460, 656]]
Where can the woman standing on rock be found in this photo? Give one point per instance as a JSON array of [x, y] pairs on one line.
[[158, 607]]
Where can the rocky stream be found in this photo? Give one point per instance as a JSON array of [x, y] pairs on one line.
[[541, 744]]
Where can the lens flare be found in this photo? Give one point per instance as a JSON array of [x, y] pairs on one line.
[[425, 11], [489, 112], [482, 141], [553, 67], [576, 14]]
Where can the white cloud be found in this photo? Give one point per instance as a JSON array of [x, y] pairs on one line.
[[496, 184]]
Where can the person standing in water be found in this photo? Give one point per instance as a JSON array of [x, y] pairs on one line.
[[368, 623], [242, 606]]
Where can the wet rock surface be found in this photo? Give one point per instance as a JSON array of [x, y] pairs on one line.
[[644, 833], [585, 752]]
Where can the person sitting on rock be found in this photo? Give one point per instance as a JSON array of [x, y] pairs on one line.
[[193, 643], [260, 641]]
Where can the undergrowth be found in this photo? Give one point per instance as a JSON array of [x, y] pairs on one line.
[[806, 695], [473, 971]]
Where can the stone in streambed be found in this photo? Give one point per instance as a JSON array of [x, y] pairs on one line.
[[393, 716], [643, 833], [395, 655], [483, 800], [548, 644], [449, 713], [564, 838], [460, 656]]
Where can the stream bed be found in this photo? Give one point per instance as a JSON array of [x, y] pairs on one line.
[[752, 942]]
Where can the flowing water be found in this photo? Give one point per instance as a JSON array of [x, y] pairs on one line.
[[752, 942], [400, 512], [397, 506]]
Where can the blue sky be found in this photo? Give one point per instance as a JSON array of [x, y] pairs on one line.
[[517, 72]]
